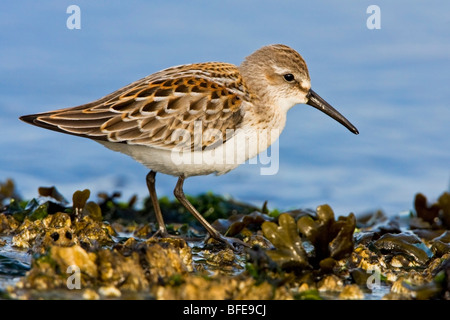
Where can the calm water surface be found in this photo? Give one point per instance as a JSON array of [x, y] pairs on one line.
[[391, 83]]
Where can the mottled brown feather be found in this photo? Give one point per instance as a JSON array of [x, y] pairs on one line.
[[148, 111]]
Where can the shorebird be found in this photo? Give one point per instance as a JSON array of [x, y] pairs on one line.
[[196, 119]]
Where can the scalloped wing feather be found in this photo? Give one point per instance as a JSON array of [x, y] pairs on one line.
[[164, 110]]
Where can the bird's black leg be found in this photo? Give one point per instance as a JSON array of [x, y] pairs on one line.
[[162, 231], [233, 243]]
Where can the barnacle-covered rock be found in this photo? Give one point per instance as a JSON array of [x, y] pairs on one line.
[[289, 251], [199, 288], [302, 254], [163, 261], [64, 257], [119, 271], [62, 237], [226, 259], [53, 269], [90, 232], [8, 224], [330, 283], [27, 233], [179, 245], [351, 292]]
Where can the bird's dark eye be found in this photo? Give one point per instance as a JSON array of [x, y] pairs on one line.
[[289, 77]]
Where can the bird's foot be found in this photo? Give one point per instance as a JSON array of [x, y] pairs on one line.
[[162, 233], [232, 243]]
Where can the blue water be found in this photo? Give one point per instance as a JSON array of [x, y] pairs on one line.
[[392, 83]]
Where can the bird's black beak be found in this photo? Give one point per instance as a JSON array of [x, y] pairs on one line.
[[314, 100]]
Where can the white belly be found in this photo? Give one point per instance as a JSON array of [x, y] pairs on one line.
[[242, 146]]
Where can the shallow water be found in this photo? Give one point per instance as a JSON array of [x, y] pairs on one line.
[[391, 83], [14, 263]]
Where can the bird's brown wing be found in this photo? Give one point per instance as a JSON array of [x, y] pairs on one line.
[[164, 110]]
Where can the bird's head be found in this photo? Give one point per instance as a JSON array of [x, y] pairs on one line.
[[279, 73]]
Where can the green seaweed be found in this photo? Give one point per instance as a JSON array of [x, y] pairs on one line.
[[8, 191], [53, 193], [407, 245], [289, 251], [437, 214], [312, 294], [330, 238], [308, 247], [79, 200], [91, 209], [237, 222], [444, 204]]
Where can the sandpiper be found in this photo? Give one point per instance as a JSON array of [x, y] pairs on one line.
[[238, 111]]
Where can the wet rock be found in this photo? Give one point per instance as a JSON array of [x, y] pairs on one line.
[[179, 245], [62, 237], [27, 233], [326, 265], [426, 291], [90, 232], [302, 254], [440, 248], [110, 292], [224, 258], [420, 287], [257, 239], [199, 288], [402, 290], [360, 276], [75, 256], [442, 275], [8, 224], [351, 292], [90, 294], [118, 271], [443, 237], [330, 283], [399, 261], [144, 231], [56, 269], [250, 290], [58, 220], [163, 261]]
